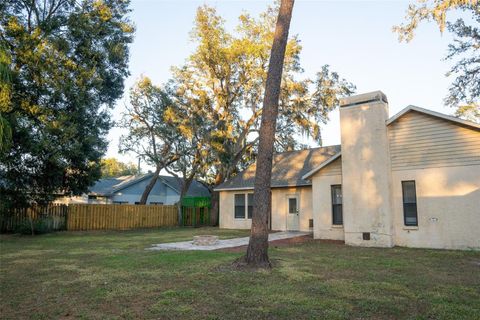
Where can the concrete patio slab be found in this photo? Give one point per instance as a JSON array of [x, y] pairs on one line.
[[227, 243]]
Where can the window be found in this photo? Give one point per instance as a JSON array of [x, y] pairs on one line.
[[240, 206], [409, 203], [120, 202], [156, 203], [337, 215], [250, 205], [292, 205]]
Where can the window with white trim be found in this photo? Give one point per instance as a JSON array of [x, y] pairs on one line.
[[409, 194], [240, 206], [243, 205], [337, 214]]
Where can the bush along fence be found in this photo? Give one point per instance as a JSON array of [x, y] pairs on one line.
[[196, 211], [56, 217], [35, 219]]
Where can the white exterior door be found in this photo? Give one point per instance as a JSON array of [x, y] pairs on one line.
[[293, 213]]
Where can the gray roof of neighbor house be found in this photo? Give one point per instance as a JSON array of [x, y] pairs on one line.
[[108, 186], [288, 169]]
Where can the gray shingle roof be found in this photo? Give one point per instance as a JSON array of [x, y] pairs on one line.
[[288, 168], [108, 186], [197, 189]]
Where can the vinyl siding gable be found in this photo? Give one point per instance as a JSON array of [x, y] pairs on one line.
[[332, 169], [419, 141]]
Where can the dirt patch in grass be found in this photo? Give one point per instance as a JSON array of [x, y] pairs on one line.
[[285, 243]]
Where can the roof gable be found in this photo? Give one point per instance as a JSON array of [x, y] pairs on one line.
[[287, 171], [324, 164], [455, 120], [109, 186]]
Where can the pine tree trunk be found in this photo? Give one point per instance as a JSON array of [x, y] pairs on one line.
[[150, 185], [257, 252]]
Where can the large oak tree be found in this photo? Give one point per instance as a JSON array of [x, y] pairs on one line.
[[69, 60], [224, 82], [149, 135]]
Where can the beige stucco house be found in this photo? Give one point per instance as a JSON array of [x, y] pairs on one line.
[[410, 180]]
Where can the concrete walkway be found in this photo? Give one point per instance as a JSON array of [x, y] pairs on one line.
[[228, 243]]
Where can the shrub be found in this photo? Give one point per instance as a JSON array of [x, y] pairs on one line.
[[41, 225]]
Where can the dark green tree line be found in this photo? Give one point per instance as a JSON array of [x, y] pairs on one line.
[[69, 60]]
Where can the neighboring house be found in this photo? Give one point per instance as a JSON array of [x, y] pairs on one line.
[[129, 189], [410, 180]]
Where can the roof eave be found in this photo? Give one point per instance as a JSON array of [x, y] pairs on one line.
[[321, 166], [272, 187]]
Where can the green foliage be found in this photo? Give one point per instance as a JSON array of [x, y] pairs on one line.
[[5, 100], [428, 10], [40, 225], [149, 136], [111, 167], [223, 83], [465, 51], [469, 112], [5, 136], [69, 60], [464, 92]]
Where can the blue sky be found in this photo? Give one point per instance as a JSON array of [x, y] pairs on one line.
[[354, 37]]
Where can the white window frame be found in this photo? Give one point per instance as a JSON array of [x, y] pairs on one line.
[[245, 194]]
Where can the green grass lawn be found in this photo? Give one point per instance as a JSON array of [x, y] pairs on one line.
[[109, 275]]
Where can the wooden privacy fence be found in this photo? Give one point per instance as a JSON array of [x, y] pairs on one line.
[[196, 211], [52, 217], [55, 217], [120, 216]]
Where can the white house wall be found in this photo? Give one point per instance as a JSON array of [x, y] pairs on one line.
[[279, 208], [366, 174], [443, 159], [322, 181], [448, 208]]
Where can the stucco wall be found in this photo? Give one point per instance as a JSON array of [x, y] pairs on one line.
[[366, 170], [226, 217], [448, 208], [323, 227], [279, 208]]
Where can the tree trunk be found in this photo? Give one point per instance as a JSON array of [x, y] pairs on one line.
[[257, 252], [150, 185], [179, 212], [215, 209], [185, 186]]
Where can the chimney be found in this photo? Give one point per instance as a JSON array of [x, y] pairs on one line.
[[366, 174]]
